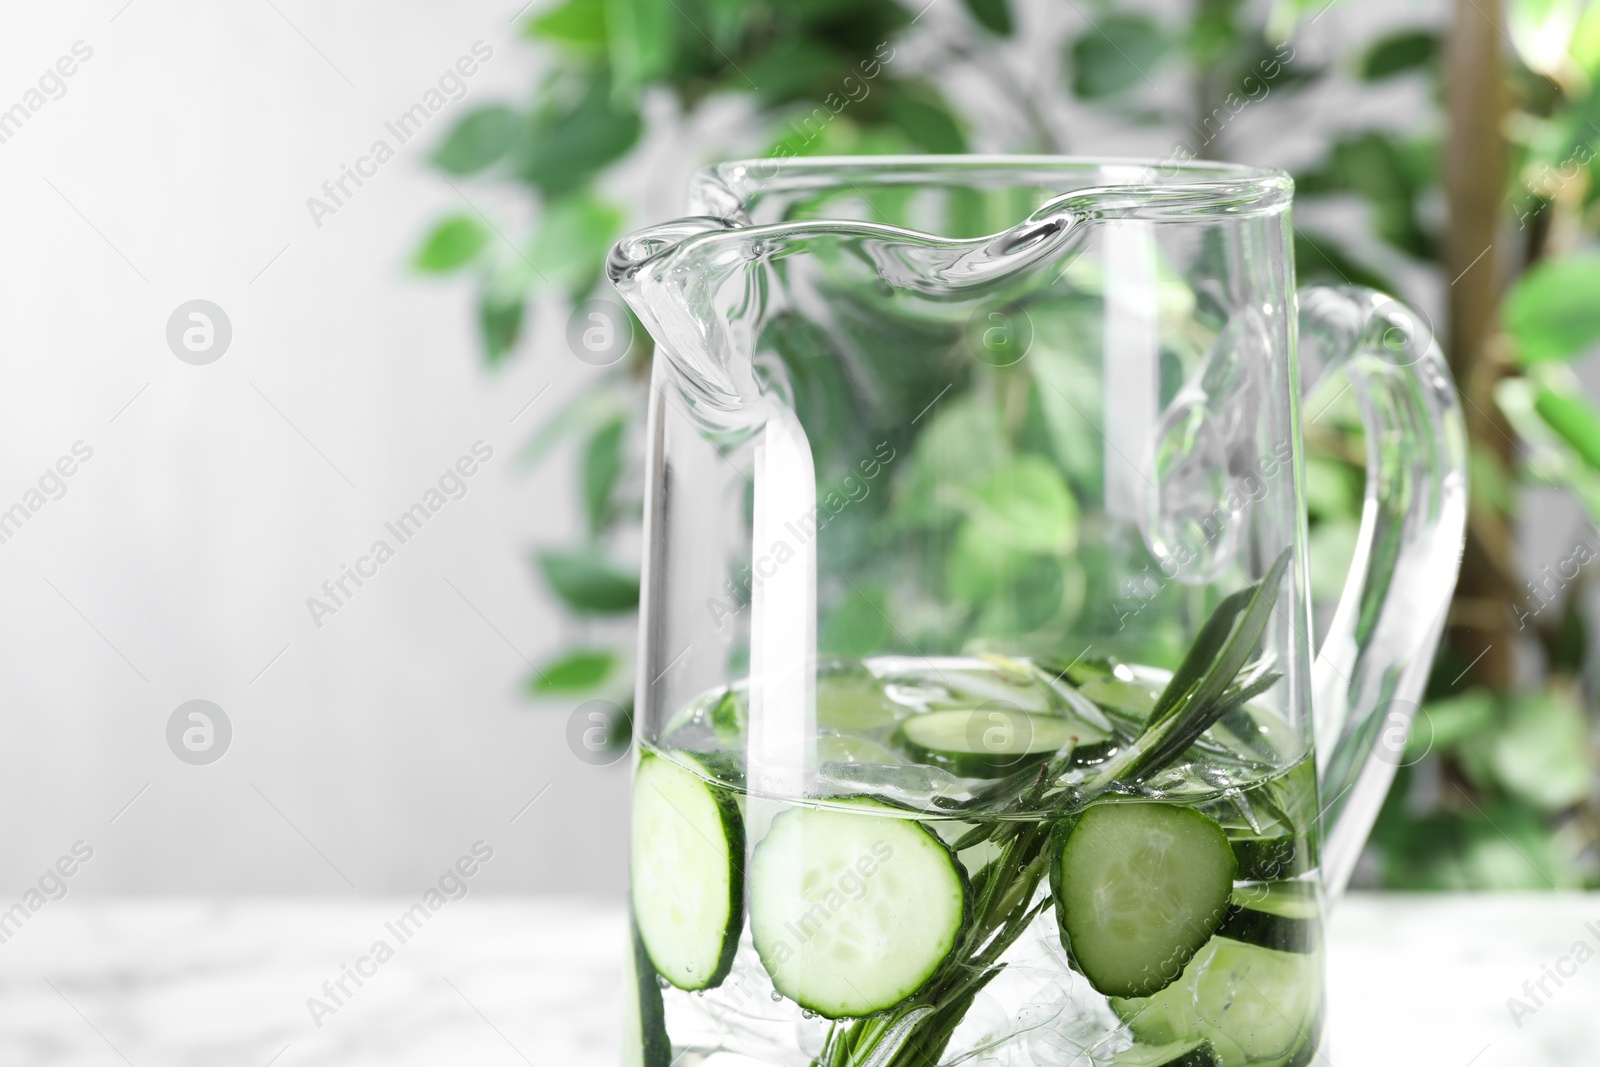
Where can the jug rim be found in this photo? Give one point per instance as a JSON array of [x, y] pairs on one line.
[[725, 198], [1132, 186]]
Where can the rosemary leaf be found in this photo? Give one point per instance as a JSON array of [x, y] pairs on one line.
[[1207, 684]]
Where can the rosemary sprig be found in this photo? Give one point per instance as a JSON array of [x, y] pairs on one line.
[[1212, 681], [1216, 676]]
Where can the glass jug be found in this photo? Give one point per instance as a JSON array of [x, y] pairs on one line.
[[978, 715]]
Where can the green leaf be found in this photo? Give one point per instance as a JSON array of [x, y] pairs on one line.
[[1501, 846], [602, 462], [1064, 354], [1319, 258], [1332, 488], [993, 15], [959, 446], [1574, 419], [1542, 31], [1017, 591], [582, 129], [1546, 457], [589, 583], [577, 25], [1024, 506], [499, 324], [1552, 311], [925, 119], [1115, 55], [858, 627], [1490, 481], [642, 37], [588, 411], [1585, 44], [574, 672], [452, 243], [478, 140], [793, 70], [1208, 683], [1393, 173], [1538, 751], [1443, 724], [571, 243], [1399, 53], [1331, 547], [824, 397]]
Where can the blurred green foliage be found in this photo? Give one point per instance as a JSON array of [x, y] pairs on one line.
[[1501, 791]]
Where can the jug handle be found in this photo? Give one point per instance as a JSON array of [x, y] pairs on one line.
[[1371, 668]]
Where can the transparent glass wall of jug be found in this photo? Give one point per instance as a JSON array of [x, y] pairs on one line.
[[976, 687]]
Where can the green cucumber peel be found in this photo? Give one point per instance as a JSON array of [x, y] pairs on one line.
[[645, 1041], [1212, 681]]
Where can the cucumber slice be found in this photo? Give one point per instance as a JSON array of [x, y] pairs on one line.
[[1292, 900], [853, 911], [644, 1018], [1140, 887], [991, 742], [686, 859], [1258, 1006], [727, 717], [1268, 859], [1117, 687], [840, 748], [1282, 915], [1175, 1054], [1306, 1052], [1163, 1017], [853, 703]]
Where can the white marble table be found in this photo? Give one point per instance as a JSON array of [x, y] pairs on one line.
[[496, 981]]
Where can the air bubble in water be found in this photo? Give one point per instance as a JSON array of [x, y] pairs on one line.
[[777, 996], [808, 1014], [662, 982]]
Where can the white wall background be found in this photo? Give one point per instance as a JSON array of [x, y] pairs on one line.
[[370, 752]]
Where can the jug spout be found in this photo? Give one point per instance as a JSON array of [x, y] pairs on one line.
[[678, 288]]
